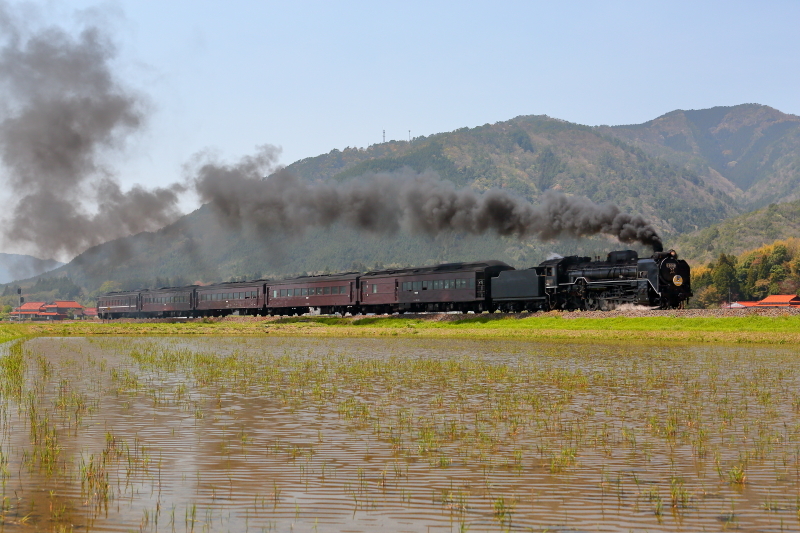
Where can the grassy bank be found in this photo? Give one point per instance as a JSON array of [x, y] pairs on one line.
[[749, 329], [11, 332]]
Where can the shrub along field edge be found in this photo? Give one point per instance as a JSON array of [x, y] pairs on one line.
[[750, 329]]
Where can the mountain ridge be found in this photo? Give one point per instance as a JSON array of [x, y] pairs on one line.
[[19, 266], [750, 151]]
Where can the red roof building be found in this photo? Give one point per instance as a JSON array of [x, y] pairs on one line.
[[59, 310], [780, 300], [63, 307]]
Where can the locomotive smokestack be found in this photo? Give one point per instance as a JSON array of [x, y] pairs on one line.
[[387, 202]]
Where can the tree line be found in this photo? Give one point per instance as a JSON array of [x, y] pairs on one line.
[[753, 275]]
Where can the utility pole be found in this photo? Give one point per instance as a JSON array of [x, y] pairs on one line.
[[19, 305], [409, 135], [384, 135]]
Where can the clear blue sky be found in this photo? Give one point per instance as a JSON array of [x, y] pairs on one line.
[[312, 76]]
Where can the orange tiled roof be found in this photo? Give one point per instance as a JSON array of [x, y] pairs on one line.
[[780, 300], [31, 306], [71, 304]]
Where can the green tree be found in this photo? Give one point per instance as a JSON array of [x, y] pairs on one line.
[[760, 289], [709, 297], [777, 274], [724, 275], [779, 255]]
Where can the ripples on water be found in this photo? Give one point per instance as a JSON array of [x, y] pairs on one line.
[[260, 434]]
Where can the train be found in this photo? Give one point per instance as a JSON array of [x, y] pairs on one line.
[[661, 281]]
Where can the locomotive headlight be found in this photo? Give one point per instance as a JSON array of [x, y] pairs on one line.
[[677, 279]]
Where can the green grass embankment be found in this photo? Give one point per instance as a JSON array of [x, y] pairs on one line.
[[748, 329], [12, 331]]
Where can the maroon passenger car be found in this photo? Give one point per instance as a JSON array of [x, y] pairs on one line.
[[336, 293], [223, 299], [118, 305], [168, 301], [448, 287]]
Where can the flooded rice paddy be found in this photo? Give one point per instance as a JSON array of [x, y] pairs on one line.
[[309, 434]]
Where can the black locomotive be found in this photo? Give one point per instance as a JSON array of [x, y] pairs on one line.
[[661, 281]]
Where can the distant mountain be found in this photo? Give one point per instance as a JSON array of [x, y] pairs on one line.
[[750, 152], [740, 234], [684, 171], [14, 266]]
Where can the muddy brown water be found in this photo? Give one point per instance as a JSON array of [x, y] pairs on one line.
[[309, 434]]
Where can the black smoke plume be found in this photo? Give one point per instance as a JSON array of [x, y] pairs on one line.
[[62, 109], [385, 203]]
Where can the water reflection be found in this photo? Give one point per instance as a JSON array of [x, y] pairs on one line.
[[265, 434]]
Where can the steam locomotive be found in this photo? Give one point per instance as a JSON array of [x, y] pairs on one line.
[[661, 281]]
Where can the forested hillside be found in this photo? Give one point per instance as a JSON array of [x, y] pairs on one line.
[[739, 234]]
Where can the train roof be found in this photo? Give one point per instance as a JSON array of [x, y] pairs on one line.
[[568, 259], [118, 293], [443, 268], [169, 289], [231, 284], [341, 276]]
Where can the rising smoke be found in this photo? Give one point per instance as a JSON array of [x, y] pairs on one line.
[[388, 202], [63, 108]]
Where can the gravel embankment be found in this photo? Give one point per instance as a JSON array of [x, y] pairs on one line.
[[629, 312]]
